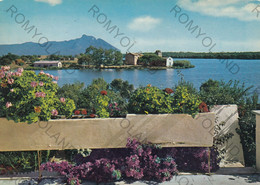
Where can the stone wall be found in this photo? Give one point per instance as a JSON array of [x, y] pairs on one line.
[[169, 130]]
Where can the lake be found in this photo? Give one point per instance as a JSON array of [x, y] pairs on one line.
[[247, 71]]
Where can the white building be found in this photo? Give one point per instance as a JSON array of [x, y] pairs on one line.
[[169, 62], [47, 64]]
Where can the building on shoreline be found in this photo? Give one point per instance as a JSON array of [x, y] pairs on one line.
[[47, 64], [131, 58], [158, 53], [169, 62]]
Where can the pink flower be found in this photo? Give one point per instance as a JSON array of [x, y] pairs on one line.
[[33, 84], [47, 74], [56, 78], [20, 70], [8, 104], [62, 100], [41, 73], [11, 90], [2, 75], [54, 112], [52, 76], [9, 74], [37, 94], [40, 94], [43, 94], [55, 82], [41, 84], [10, 81], [5, 68], [17, 74]]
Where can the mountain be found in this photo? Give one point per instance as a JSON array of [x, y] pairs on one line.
[[71, 47]]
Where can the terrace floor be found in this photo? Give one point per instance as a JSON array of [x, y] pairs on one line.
[[252, 179]]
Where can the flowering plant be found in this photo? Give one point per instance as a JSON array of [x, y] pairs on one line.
[[137, 161], [103, 92], [150, 100], [185, 101], [101, 105], [27, 97], [168, 90], [114, 110], [203, 107]]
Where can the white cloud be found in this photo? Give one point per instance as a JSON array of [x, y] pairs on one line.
[[143, 24], [51, 2], [239, 9]]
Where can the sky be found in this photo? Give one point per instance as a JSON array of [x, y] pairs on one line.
[[136, 25]]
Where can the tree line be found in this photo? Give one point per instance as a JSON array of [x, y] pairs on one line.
[[92, 56], [217, 55]]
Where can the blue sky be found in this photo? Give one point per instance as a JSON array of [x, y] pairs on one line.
[[146, 25]]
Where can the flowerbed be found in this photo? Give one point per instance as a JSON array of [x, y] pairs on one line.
[[27, 97], [136, 162]]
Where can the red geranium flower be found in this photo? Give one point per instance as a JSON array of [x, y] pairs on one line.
[[103, 92], [168, 90], [84, 112], [77, 112], [92, 115], [203, 107]]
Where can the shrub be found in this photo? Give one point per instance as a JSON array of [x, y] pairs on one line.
[[11, 162], [185, 102], [117, 91], [214, 92], [74, 92], [122, 87], [219, 93], [190, 159], [150, 100], [151, 60], [101, 105], [27, 97], [247, 124], [64, 106], [114, 110], [135, 162], [182, 64]]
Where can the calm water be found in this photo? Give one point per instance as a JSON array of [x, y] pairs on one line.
[[249, 73]]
